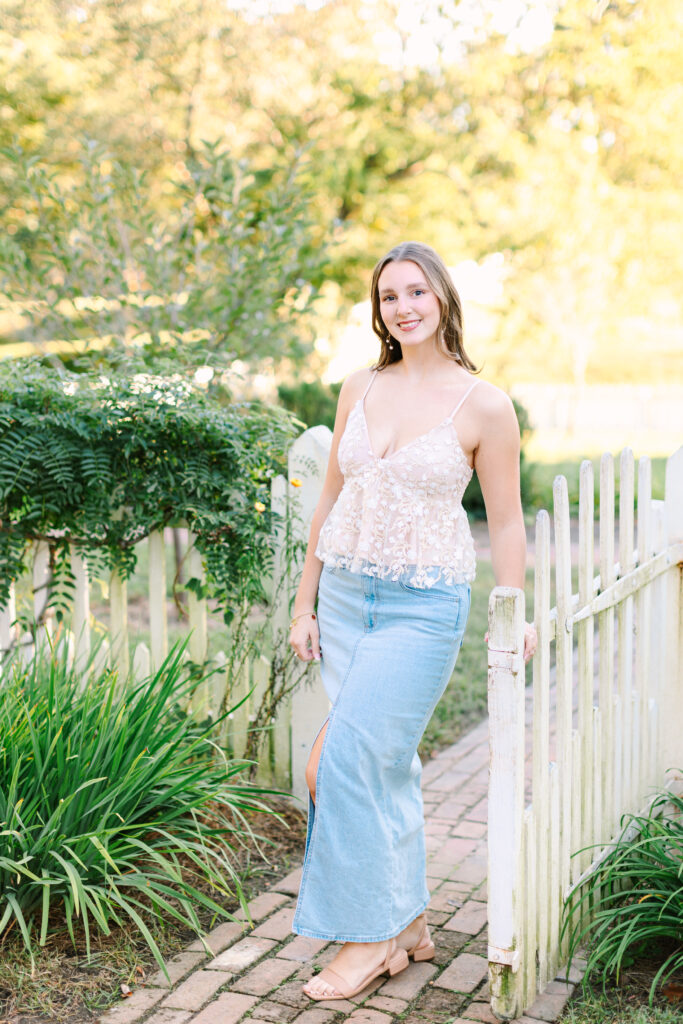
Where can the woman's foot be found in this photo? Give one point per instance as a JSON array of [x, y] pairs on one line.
[[415, 939], [354, 967]]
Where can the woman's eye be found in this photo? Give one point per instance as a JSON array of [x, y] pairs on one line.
[[419, 291]]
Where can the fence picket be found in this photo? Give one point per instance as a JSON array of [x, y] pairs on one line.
[[606, 636], [80, 618], [158, 626], [622, 744], [541, 737], [141, 661], [506, 796], [529, 964], [564, 672], [626, 767], [643, 610], [585, 631], [118, 625], [8, 629]]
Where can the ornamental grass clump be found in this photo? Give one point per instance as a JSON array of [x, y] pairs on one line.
[[631, 904], [114, 804]]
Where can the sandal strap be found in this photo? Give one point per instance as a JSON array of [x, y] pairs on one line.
[[342, 986]]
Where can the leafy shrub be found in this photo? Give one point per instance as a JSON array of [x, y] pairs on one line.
[[217, 261], [311, 401], [100, 462], [112, 803], [632, 903]]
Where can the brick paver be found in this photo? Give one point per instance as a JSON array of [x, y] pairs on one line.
[[177, 967], [197, 989], [228, 1008], [279, 926], [464, 974], [364, 1016], [166, 1016], [471, 918], [242, 955], [256, 967], [265, 977]]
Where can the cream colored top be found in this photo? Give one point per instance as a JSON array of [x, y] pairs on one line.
[[403, 512]]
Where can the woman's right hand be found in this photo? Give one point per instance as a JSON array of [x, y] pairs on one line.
[[304, 638]]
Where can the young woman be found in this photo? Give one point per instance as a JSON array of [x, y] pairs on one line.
[[390, 562]]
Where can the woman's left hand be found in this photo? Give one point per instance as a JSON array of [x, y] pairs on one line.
[[530, 641]]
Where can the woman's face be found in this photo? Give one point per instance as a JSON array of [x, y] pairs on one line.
[[409, 308]]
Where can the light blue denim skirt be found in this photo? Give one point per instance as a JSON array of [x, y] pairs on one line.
[[388, 651]]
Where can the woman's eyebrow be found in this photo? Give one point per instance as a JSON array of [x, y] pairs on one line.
[[415, 284]]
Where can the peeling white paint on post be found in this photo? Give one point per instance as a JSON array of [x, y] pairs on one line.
[[506, 798]]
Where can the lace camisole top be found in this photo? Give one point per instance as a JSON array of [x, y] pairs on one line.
[[401, 516]]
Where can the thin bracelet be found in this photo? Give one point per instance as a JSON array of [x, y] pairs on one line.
[[300, 616]]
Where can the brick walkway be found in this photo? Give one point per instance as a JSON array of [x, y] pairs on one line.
[[257, 971]]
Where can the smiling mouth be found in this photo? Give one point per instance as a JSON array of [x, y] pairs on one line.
[[408, 325]]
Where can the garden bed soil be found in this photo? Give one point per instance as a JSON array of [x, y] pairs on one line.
[[64, 988]]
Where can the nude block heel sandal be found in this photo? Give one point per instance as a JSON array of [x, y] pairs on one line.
[[395, 961], [423, 950]]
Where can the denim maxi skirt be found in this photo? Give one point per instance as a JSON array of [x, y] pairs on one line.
[[388, 651]]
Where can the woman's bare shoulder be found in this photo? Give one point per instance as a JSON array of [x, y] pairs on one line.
[[354, 385], [491, 399], [494, 407]]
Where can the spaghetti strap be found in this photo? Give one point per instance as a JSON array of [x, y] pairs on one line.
[[462, 400], [371, 382]]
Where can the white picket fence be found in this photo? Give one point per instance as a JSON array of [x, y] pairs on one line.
[[567, 763], [299, 716]]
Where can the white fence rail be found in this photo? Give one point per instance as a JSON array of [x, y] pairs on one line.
[[299, 715], [569, 762]]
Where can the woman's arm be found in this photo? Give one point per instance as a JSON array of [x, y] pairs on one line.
[[496, 461], [304, 636]]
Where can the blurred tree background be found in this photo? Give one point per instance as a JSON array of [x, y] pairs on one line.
[[233, 168]]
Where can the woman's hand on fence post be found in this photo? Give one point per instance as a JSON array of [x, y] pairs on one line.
[[530, 640], [304, 638]]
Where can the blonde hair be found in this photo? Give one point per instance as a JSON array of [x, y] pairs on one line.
[[439, 280]]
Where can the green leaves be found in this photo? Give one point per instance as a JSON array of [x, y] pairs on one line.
[[99, 463], [112, 802], [632, 903], [210, 272]]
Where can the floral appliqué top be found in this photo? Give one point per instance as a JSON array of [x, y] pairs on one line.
[[404, 511]]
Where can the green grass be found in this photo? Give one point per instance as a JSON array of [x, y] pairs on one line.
[[464, 701], [617, 1008], [544, 473]]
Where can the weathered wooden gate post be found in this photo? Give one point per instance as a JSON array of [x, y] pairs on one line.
[[506, 798]]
